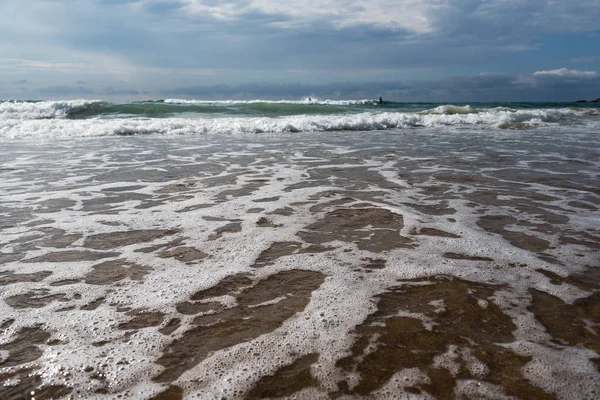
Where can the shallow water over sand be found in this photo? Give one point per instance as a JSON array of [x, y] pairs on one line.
[[423, 263]]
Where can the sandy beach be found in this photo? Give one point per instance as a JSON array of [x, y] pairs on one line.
[[382, 265]]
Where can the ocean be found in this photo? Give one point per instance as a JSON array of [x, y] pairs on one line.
[[311, 249]]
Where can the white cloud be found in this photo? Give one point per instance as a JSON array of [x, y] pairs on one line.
[[12, 63], [570, 73], [411, 15]]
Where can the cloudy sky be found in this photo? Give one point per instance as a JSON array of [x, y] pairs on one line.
[[410, 50]]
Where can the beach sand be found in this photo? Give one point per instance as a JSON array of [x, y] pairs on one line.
[[315, 266]]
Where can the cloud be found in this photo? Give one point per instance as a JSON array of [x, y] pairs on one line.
[[411, 15], [66, 90], [478, 87], [121, 92], [521, 47], [11, 63], [585, 59], [564, 72], [544, 85], [584, 84], [159, 44], [289, 34], [417, 16]]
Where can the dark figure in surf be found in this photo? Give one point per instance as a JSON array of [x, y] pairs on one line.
[[380, 100]]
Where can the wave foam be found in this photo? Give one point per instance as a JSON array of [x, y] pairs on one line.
[[452, 109], [23, 129], [42, 109]]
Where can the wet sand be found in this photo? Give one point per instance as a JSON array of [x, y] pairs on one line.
[[438, 265]]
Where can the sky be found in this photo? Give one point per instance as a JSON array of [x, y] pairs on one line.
[[406, 50]]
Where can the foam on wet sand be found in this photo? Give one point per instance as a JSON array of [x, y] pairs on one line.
[[320, 266]]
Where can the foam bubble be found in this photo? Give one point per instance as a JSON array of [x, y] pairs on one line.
[[567, 372]]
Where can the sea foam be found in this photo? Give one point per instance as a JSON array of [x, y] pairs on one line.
[[21, 124], [426, 197]]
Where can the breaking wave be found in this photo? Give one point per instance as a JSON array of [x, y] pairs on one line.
[[491, 118], [387, 113], [43, 109]]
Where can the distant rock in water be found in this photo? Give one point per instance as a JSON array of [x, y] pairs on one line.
[[596, 101], [581, 101]]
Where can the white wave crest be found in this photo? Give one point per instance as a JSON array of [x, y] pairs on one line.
[[61, 128], [41, 109], [452, 109]]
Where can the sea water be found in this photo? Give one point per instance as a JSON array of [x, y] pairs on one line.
[[299, 249]]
